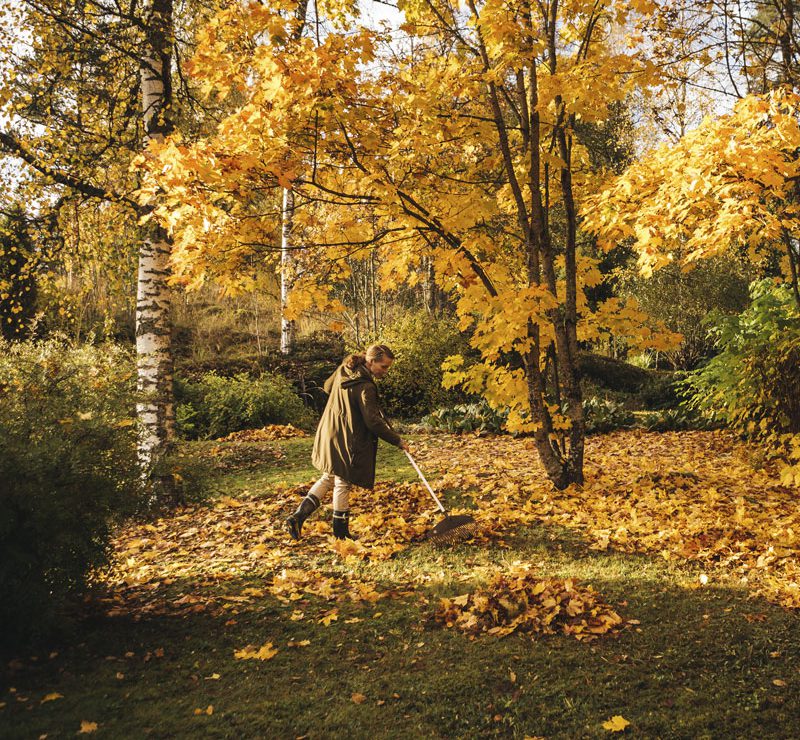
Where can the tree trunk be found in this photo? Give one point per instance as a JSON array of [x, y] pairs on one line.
[[287, 326], [374, 294], [153, 299]]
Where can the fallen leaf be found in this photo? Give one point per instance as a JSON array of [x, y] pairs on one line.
[[616, 724], [52, 697], [329, 617], [209, 710], [265, 652], [779, 682], [87, 727], [358, 698], [213, 677]]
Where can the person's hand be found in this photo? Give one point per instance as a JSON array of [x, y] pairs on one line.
[[405, 446]]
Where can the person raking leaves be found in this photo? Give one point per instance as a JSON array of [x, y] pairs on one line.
[[346, 442]]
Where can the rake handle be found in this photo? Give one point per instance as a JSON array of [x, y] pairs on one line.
[[427, 485]]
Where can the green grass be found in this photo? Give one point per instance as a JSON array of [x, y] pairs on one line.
[[701, 662]]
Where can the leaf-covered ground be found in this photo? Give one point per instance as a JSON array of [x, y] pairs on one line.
[[675, 567]]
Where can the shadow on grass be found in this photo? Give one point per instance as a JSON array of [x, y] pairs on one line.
[[702, 663]]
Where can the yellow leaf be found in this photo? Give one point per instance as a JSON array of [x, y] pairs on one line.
[[616, 724], [330, 617], [87, 727], [265, 652], [209, 710], [52, 697], [358, 698], [779, 682], [347, 547]]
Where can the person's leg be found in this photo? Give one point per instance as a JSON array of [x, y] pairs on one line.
[[341, 509], [311, 502]]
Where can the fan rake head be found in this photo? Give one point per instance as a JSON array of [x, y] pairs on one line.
[[453, 529]]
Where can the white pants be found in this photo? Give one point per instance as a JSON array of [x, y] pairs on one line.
[[341, 491]]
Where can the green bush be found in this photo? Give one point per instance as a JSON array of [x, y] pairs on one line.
[[675, 420], [683, 298], [608, 372], [660, 390], [753, 383], [468, 417], [215, 406], [604, 416], [68, 470], [600, 416], [420, 342]]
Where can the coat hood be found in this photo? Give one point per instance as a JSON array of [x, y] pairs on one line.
[[351, 378]]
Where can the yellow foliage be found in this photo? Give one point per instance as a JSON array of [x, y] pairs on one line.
[[731, 182]]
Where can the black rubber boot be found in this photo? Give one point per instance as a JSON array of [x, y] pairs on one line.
[[341, 526], [294, 523]]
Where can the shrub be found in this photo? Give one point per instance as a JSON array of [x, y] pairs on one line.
[[469, 417], [605, 416], [216, 406], [660, 391], [753, 383], [675, 420], [68, 469], [420, 342], [681, 299], [608, 372]]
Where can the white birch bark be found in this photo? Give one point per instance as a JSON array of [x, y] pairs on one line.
[[287, 268], [153, 300]]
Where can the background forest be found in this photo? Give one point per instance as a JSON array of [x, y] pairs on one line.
[[567, 218]]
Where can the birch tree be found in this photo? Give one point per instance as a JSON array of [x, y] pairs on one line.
[[286, 270], [91, 86], [153, 318]]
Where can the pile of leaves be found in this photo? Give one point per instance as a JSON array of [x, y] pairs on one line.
[[250, 448], [265, 434], [518, 600]]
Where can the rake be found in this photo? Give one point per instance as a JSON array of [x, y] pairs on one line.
[[451, 528]]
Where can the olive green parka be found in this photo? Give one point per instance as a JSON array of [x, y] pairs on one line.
[[346, 443]]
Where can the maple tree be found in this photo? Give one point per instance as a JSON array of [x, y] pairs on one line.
[[456, 142], [729, 184], [728, 188]]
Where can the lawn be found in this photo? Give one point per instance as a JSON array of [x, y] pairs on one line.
[[678, 534]]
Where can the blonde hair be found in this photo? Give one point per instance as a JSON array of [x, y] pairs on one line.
[[374, 353]]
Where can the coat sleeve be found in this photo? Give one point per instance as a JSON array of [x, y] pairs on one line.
[[328, 384], [367, 395]]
